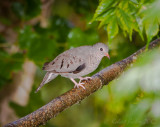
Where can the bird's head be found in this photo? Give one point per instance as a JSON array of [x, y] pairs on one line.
[[101, 49]]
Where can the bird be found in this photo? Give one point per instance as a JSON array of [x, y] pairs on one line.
[[75, 63]]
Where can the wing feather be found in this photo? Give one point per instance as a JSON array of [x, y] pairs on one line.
[[70, 61]]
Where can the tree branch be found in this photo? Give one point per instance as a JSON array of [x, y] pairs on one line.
[[57, 105]]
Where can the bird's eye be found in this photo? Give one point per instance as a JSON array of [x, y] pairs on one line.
[[101, 49]]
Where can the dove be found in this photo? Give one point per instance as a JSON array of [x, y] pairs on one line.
[[75, 63]]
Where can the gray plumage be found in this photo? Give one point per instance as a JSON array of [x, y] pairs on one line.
[[75, 63]]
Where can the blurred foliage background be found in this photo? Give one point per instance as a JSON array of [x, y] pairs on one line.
[[35, 31]]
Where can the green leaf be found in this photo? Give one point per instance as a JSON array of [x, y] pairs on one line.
[[27, 9], [106, 18], [8, 65], [125, 20], [134, 1], [104, 6], [38, 46], [150, 18], [26, 37], [133, 8], [112, 29], [60, 27], [152, 28], [140, 26], [41, 48], [32, 8]]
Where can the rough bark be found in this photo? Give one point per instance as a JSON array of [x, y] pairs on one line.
[[57, 105]]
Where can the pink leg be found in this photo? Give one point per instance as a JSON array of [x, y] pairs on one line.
[[77, 84]]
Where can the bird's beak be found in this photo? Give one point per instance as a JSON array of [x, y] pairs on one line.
[[107, 55]]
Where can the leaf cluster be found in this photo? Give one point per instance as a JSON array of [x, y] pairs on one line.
[[129, 16]]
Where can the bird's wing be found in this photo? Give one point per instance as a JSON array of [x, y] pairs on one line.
[[78, 69], [71, 61]]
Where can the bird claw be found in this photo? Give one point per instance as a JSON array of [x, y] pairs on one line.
[[85, 78], [79, 85]]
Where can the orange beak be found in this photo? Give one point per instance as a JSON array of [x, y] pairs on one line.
[[107, 55]]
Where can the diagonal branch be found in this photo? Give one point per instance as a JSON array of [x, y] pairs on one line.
[[57, 105]]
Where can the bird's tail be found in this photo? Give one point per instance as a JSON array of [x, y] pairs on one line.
[[47, 78]]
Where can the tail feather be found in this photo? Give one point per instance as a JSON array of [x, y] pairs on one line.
[[47, 78]]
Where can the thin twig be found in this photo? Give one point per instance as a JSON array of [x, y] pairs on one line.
[[57, 105]]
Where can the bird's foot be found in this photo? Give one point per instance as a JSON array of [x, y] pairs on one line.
[[85, 78], [77, 85]]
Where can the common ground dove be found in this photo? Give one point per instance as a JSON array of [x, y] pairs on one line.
[[75, 63]]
